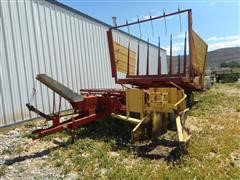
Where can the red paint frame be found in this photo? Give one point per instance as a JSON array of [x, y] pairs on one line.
[[146, 81]]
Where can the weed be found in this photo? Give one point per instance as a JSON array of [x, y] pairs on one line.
[[44, 164], [28, 134], [2, 170], [7, 151], [16, 149], [238, 108], [29, 124], [52, 136], [103, 149]]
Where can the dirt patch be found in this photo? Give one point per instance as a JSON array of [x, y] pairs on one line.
[[24, 158]]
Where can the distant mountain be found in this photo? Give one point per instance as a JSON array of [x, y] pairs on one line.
[[215, 58]]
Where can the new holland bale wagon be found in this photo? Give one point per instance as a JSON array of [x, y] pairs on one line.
[[155, 103]]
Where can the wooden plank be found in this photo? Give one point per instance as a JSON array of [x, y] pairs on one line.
[[124, 65], [124, 59], [123, 50], [179, 129], [199, 52], [123, 70], [121, 59]]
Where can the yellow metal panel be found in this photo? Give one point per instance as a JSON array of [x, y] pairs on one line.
[[182, 105], [199, 52], [164, 99], [121, 58], [173, 95], [141, 130], [135, 101], [170, 94]]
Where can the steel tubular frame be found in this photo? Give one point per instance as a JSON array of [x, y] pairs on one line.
[[94, 104], [97, 103], [146, 81]]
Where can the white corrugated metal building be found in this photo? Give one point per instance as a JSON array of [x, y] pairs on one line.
[[49, 37]]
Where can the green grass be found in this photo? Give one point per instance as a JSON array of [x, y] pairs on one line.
[[14, 149], [2, 170], [103, 149], [235, 85], [238, 108], [28, 134]]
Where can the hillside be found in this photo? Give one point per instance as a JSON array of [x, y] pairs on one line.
[[216, 57]]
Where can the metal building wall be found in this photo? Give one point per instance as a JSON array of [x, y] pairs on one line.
[[47, 37]]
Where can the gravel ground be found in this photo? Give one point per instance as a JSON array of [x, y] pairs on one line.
[[24, 158]]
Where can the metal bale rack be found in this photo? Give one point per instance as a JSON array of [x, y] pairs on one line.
[[155, 103]]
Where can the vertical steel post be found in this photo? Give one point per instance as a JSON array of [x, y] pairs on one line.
[[59, 105], [180, 19], [112, 55], [128, 60], [185, 55], [190, 43], [138, 58], [165, 21], [178, 71]]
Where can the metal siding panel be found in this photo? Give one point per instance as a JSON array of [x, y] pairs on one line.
[[58, 50], [103, 60], [33, 61], [108, 75], [77, 62], [64, 49], [68, 55], [100, 57], [2, 98], [70, 50], [26, 52], [43, 51], [7, 79], [55, 54], [26, 91], [43, 37], [90, 50], [62, 53], [81, 50], [73, 47], [55, 43], [37, 47], [51, 48], [94, 61], [87, 56], [18, 105], [18, 63], [30, 51], [164, 59]]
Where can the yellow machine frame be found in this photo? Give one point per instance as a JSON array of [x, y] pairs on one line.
[[150, 110]]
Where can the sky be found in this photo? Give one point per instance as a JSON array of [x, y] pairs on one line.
[[217, 22]]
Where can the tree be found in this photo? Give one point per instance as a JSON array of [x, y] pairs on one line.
[[231, 64]]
